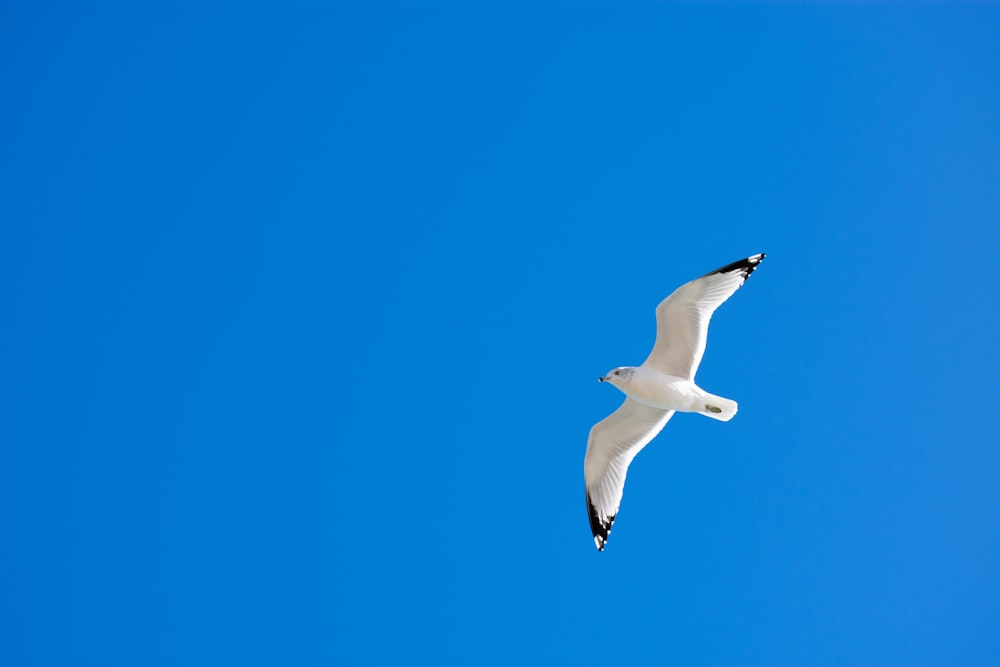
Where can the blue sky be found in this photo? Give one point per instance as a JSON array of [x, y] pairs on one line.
[[305, 308]]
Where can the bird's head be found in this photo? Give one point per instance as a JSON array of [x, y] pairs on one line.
[[618, 376]]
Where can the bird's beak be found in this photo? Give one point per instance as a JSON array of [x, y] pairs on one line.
[[602, 379]]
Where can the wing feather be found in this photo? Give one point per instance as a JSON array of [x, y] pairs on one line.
[[613, 443], [682, 318]]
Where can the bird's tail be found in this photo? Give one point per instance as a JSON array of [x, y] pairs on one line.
[[717, 407]]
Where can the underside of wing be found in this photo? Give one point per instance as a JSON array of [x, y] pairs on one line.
[[682, 318], [612, 445]]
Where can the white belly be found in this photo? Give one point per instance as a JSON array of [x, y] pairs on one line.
[[665, 392]]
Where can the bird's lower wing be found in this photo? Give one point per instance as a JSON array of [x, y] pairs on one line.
[[612, 445], [682, 318]]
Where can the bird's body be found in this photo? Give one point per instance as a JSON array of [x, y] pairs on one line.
[[669, 392], [662, 385]]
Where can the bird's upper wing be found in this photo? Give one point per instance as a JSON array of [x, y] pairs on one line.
[[613, 443], [682, 318]]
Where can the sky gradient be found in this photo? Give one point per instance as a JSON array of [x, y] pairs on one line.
[[305, 309]]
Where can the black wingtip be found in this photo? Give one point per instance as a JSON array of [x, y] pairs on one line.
[[744, 266], [601, 529]]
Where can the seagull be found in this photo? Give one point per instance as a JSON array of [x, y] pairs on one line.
[[662, 385]]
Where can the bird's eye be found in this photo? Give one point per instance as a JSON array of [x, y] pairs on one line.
[[617, 373]]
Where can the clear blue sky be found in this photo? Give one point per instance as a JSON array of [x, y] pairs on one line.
[[304, 308]]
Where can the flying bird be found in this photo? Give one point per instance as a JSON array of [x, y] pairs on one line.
[[662, 385]]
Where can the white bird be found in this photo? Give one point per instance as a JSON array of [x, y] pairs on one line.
[[662, 385]]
